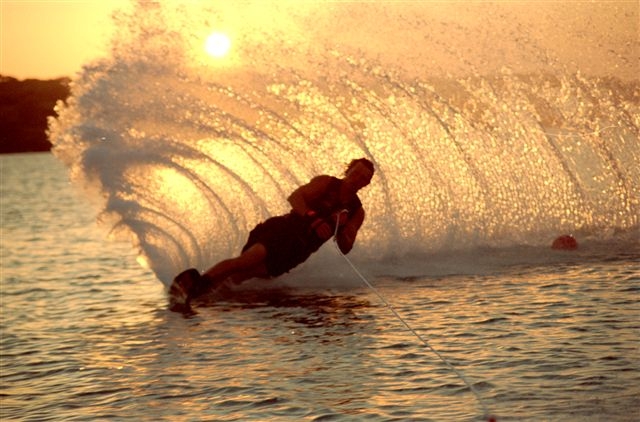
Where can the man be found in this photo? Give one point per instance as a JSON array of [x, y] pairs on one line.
[[324, 206]]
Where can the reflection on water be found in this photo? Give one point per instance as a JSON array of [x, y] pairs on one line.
[[92, 339], [536, 344]]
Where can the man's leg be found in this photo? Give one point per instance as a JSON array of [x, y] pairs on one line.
[[251, 263]]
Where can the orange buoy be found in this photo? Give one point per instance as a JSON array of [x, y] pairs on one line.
[[565, 242]]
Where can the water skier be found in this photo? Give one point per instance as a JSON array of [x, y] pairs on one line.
[[280, 243]]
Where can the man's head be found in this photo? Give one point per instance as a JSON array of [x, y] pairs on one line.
[[364, 161], [359, 173]]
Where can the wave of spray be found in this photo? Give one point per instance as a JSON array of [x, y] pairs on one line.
[[186, 154]]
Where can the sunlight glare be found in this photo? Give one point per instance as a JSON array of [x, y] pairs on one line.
[[217, 44]]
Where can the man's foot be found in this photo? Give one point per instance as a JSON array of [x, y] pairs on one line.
[[182, 289]]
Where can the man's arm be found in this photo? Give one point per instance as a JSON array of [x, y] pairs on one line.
[[347, 234]]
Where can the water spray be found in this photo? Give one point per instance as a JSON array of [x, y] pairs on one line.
[[595, 132], [460, 375]]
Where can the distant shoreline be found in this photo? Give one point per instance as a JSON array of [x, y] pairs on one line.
[[25, 106]]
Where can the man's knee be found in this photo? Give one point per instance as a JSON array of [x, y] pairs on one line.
[[254, 255]]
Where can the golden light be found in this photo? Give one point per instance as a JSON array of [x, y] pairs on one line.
[[217, 44]]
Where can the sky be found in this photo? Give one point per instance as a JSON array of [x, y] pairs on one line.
[[46, 39]]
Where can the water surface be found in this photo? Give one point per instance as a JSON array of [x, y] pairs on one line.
[[86, 334]]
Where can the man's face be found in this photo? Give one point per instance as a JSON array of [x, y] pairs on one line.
[[358, 176]]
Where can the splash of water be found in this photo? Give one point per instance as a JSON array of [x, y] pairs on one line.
[[186, 154]]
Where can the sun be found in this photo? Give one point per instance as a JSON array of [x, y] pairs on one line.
[[217, 44]]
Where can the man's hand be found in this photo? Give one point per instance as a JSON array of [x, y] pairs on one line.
[[319, 226], [323, 230]]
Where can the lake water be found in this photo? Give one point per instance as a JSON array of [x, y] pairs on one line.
[[86, 335]]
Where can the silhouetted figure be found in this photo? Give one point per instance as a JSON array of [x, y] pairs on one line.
[[280, 243]]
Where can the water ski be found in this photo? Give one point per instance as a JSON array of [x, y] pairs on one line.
[[181, 290]]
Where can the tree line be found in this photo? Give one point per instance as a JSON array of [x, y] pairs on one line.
[[24, 108]]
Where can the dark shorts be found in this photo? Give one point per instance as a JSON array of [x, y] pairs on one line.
[[287, 241]]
